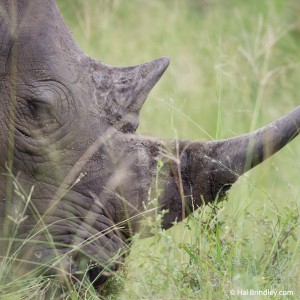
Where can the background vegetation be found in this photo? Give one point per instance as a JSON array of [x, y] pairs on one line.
[[234, 68]]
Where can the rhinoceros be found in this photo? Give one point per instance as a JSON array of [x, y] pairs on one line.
[[68, 141]]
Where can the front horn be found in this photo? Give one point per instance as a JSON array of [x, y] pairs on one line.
[[244, 152]]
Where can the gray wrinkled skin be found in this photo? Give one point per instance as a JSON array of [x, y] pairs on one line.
[[67, 127]]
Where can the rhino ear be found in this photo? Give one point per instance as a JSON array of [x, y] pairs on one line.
[[121, 91]]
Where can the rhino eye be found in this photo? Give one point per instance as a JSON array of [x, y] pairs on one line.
[[39, 109]]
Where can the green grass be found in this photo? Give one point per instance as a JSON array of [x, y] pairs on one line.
[[234, 68]]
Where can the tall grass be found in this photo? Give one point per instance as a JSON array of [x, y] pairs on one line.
[[234, 67]]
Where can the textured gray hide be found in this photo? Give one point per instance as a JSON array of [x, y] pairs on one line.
[[67, 127]]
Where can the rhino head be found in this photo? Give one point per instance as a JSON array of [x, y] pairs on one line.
[[67, 129]]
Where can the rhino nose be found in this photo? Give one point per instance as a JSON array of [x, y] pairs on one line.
[[68, 266], [98, 276], [82, 267]]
